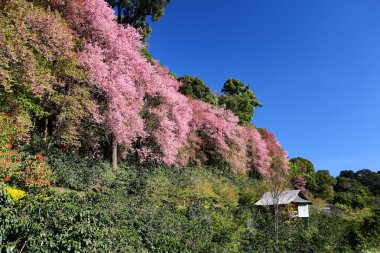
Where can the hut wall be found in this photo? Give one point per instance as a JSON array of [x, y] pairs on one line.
[[303, 210]]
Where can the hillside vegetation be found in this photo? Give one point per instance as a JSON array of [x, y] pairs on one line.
[[104, 150]]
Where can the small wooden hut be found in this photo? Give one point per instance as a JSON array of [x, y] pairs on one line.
[[287, 198]]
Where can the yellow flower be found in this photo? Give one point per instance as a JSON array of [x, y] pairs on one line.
[[181, 207], [14, 193]]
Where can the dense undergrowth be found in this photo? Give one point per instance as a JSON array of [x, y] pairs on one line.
[[156, 209]]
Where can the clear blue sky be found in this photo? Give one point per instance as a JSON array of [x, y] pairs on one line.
[[315, 66]]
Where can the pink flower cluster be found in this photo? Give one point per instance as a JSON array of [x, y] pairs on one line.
[[143, 108], [133, 86], [256, 150], [300, 183], [215, 133], [279, 158]]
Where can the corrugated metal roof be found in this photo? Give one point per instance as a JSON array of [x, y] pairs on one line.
[[284, 198]]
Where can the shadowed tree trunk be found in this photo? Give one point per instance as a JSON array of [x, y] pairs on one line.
[[114, 153], [45, 130], [119, 10]]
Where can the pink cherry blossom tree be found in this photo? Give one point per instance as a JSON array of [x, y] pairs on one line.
[[214, 132], [133, 87], [300, 183], [258, 159], [143, 109]]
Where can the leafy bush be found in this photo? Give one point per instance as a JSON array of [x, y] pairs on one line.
[[35, 173], [320, 233], [17, 166], [66, 223], [350, 199], [366, 234], [77, 173], [10, 159]]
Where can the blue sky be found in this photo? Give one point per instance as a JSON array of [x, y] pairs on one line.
[[315, 66]]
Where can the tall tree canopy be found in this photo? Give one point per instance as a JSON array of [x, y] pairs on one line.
[[351, 193], [195, 88], [325, 183], [40, 74], [135, 12], [302, 167], [240, 99], [279, 167], [143, 109], [217, 139], [79, 78], [366, 177]]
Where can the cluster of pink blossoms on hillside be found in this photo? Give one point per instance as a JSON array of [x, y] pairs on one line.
[[144, 105]]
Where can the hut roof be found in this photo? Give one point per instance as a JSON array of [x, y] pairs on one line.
[[284, 198]]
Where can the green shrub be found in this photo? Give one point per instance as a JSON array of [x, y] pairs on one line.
[[66, 223], [78, 173], [367, 233]]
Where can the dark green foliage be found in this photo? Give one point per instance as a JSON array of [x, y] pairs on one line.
[[350, 200], [320, 233], [145, 52], [347, 174], [325, 184], [67, 223], [302, 167], [366, 177], [195, 88], [240, 105], [240, 99], [347, 185], [366, 234], [351, 193], [358, 189], [135, 12], [77, 173]]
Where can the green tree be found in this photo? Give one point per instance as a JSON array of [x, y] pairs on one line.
[[194, 87], [351, 193], [135, 12], [302, 167], [42, 83], [240, 99], [369, 179], [347, 174], [367, 234], [366, 177], [347, 185], [325, 183]]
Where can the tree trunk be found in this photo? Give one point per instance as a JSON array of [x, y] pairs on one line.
[[119, 10], [276, 192], [56, 129], [45, 131], [276, 222], [114, 154]]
